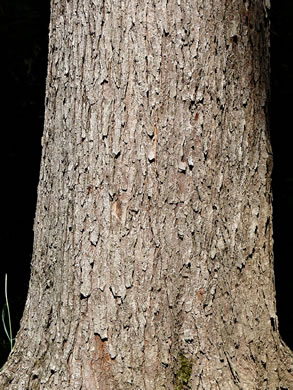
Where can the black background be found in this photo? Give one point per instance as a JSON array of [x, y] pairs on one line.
[[24, 44]]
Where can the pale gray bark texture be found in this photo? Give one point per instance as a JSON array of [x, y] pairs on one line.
[[153, 265]]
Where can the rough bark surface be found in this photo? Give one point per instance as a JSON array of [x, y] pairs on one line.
[[153, 266]]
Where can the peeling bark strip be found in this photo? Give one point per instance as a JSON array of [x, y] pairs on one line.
[[152, 266]]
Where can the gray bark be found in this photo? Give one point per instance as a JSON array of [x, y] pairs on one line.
[[153, 263]]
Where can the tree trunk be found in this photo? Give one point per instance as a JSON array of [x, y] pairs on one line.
[[153, 265]]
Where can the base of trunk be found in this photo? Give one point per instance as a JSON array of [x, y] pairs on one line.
[[95, 369]]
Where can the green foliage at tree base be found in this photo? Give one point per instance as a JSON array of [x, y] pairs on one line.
[[183, 374]]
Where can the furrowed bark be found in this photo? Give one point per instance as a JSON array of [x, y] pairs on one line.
[[153, 259]]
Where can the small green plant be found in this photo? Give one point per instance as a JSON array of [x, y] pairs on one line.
[[8, 331], [184, 372]]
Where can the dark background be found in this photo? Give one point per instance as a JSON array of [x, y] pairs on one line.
[[24, 43]]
